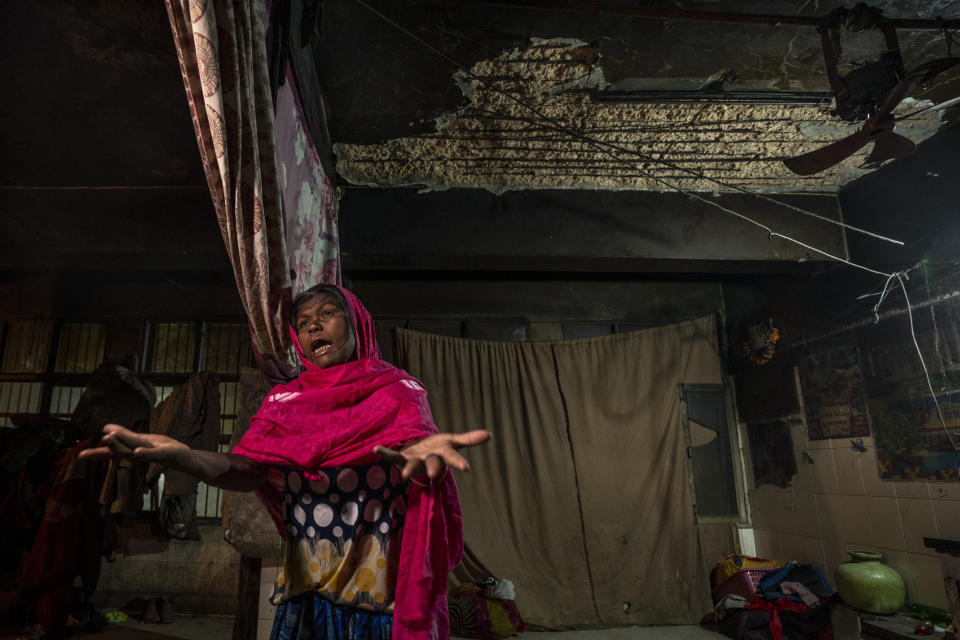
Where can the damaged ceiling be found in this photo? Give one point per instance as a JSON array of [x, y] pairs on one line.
[[399, 114], [531, 123], [535, 111]]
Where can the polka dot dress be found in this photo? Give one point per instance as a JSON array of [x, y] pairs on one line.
[[343, 528]]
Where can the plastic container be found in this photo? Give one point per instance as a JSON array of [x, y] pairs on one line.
[[745, 582]]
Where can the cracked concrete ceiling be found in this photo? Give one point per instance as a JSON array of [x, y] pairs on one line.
[[406, 116], [402, 115], [531, 123]]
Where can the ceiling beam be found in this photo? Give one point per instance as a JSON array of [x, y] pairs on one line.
[[661, 13], [577, 231]]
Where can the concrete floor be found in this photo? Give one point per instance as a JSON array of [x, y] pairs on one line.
[[221, 628], [679, 632], [185, 627]]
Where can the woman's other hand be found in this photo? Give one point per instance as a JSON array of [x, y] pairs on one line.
[[431, 456], [120, 442]]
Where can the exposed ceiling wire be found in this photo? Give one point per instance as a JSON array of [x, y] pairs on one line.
[[913, 334], [660, 160], [937, 343], [950, 37], [673, 165], [545, 120]]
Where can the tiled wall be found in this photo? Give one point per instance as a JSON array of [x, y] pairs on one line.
[[840, 503], [200, 577]]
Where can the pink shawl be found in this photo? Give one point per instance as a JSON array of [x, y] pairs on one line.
[[335, 416]]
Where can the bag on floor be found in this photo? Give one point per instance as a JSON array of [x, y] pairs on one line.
[[474, 614]]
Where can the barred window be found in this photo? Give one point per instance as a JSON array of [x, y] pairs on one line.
[[19, 397], [30, 383], [26, 347], [80, 348], [176, 350]]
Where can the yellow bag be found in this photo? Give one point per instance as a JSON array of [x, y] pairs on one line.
[[734, 563]]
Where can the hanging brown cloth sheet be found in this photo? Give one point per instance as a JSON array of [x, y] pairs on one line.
[[582, 498]]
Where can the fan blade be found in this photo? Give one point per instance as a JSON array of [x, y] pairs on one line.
[[888, 147], [878, 128], [914, 79], [825, 157]]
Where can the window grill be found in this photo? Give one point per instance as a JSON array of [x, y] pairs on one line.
[[19, 397], [176, 350], [30, 383], [80, 348], [63, 400], [26, 347]]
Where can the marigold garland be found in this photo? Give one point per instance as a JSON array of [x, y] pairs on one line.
[[764, 354]]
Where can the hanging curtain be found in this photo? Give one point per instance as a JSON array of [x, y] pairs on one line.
[[221, 48], [309, 199], [520, 500], [582, 497]]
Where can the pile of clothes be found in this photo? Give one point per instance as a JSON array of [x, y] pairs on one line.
[[56, 507], [61, 513], [759, 599]]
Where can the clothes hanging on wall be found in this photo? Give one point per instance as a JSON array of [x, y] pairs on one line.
[[113, 394], [190, 414]]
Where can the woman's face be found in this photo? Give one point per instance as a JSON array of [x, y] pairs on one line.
[[324, 331]]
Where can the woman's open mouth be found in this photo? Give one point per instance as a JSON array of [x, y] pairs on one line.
[[320, 346]]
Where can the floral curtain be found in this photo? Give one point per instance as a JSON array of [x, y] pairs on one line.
[[309, 198], [223, 59]]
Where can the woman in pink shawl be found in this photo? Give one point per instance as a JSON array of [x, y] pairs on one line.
[[349, 464]]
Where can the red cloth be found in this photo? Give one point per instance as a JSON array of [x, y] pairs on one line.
[[774, 607], [69, 540], [335, 416]]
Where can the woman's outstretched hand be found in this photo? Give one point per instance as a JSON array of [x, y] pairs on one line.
[[431, 456], [120, 442], [225, 470]]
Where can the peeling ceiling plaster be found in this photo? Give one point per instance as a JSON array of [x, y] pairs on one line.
[[495, 143]]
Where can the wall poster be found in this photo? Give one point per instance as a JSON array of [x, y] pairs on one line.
[[833, 393], [911, 441]]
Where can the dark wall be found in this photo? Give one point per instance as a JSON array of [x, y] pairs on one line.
[[104, 210], [914, 200], [122, 299], [118, 229], [574, 230], [554, 298], [27, 295], [551, 258], [473, 305]]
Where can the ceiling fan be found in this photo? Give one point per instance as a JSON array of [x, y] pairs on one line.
[[869, 93]]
